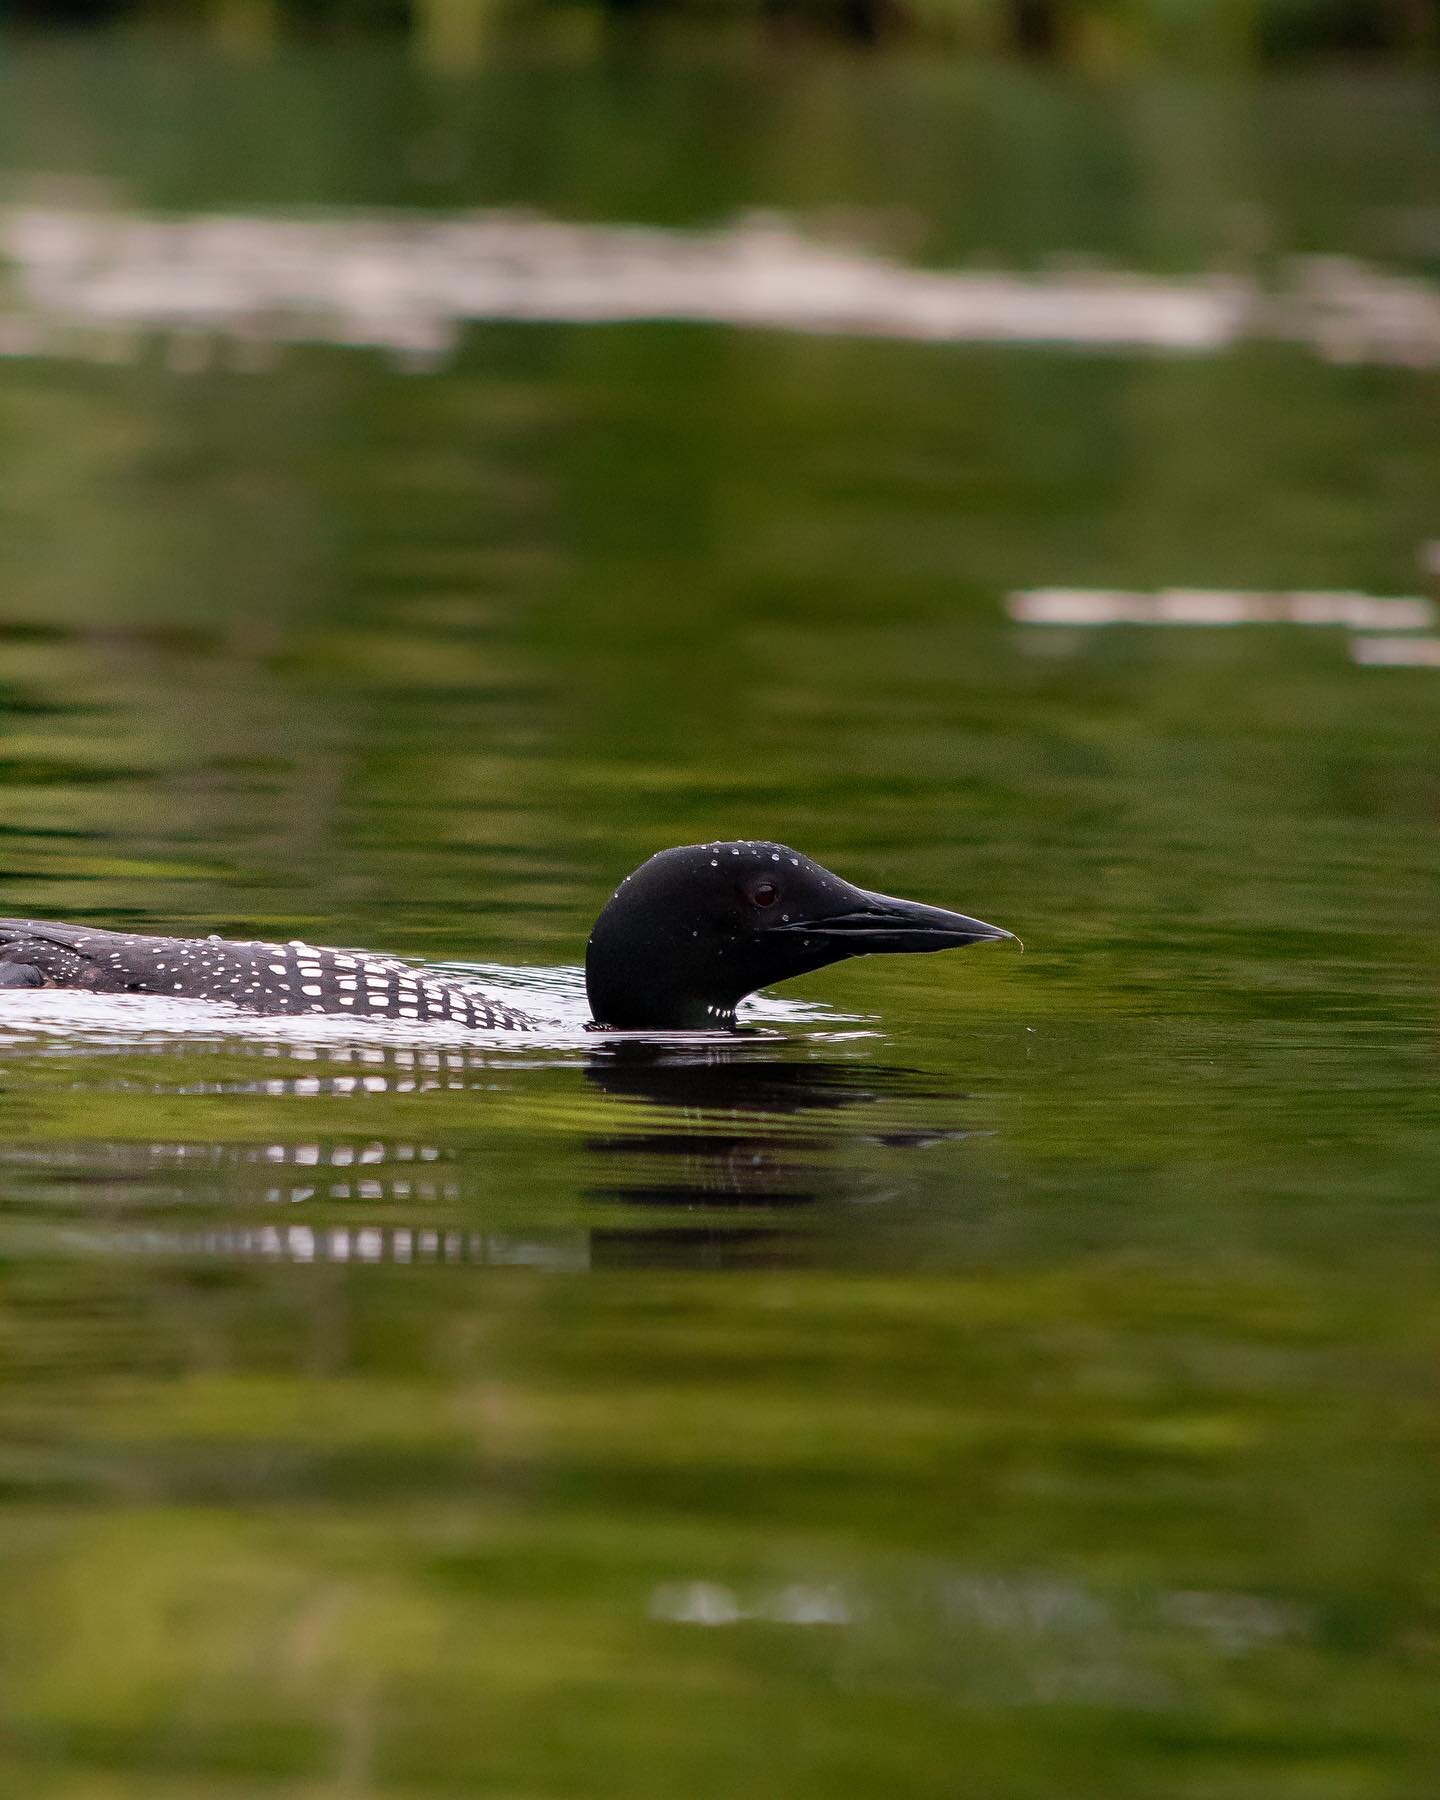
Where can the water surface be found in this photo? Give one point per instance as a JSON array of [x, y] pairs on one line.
[[1000, 1374]]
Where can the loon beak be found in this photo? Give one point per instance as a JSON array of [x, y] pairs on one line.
[[878, 925]]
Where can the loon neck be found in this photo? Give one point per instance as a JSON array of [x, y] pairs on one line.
[[653, 1006]]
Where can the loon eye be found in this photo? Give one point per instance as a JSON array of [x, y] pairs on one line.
[[764, 893]]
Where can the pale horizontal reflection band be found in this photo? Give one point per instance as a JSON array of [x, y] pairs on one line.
[[338, 1244], [1402, 618], [232, 288], [1219, 606]]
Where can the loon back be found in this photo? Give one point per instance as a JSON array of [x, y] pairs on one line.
[[263, 978]]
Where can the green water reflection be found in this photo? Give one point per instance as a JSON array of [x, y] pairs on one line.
[[1017, 1378]]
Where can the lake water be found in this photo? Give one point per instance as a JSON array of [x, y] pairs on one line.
[[998, 1375]]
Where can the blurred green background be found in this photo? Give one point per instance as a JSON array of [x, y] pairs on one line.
[[1088, 32], [1017, 1378]]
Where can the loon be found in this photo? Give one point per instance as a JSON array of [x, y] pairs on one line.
[[677, 947]]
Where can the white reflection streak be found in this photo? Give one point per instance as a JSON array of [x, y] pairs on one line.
[[712, 1603], [408, 283], [566, 1253], [1396, 653], [1063, 611], [1218, 606]]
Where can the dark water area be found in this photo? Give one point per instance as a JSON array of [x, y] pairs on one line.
[[994, 1374]]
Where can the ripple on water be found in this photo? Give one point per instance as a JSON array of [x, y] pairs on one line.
[[41, 1021]]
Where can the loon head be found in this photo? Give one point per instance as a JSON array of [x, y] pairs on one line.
[[683, 940]]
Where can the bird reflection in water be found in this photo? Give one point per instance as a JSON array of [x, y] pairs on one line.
[[752, 1138], [746, 1132]]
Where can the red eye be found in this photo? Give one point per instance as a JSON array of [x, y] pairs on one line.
[[764, 893]]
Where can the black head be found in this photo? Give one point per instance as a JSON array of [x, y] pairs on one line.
[[684, 939]]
